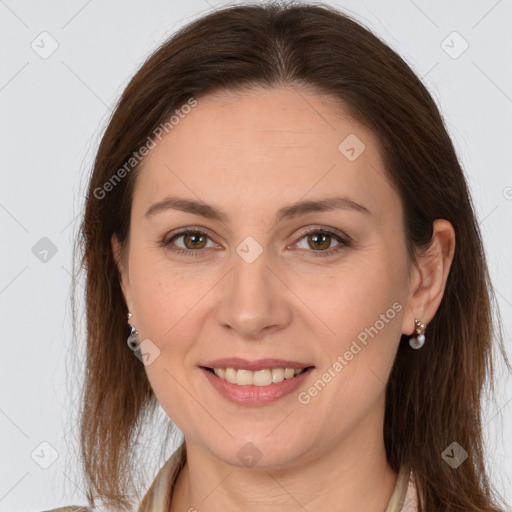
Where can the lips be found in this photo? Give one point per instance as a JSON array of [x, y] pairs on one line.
[[247, 382]]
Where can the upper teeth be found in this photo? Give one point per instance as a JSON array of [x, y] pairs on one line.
[[257, 378]]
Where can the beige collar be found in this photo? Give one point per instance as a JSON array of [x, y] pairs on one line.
[[158, 496], [403, 498]]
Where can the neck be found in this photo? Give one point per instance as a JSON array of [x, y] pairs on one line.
[[353, 474]]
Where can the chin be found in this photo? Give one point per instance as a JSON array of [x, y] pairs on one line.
[[259, 450]]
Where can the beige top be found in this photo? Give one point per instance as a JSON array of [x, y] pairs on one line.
[[158, 496]]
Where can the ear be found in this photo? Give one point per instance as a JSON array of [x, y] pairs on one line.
[[429, 277], [123, 270]]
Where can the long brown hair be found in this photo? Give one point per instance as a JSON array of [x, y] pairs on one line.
[[434, 395]]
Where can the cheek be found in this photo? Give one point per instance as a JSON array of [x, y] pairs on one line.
[[164, 294], [356, 361], [363, 314], [167, 312], [351, 298], [175, 396]]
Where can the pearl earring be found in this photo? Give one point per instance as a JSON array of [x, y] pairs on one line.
[[418, 338], [133, 338]]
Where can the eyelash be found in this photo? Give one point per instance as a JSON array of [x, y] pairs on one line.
[[344, 242]]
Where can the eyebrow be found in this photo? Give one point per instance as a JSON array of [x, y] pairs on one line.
[[287, 212]]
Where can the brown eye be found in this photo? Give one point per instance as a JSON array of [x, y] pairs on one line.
[[194, 240], [320, 241]]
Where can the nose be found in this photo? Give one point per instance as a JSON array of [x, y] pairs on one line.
[[254, 301]]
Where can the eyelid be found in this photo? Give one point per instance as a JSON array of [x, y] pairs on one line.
[[183, 231], [326, 229]]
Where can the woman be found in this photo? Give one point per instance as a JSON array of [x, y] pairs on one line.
[[278, 215]]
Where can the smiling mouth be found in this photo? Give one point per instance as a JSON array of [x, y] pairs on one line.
[[264, 377]]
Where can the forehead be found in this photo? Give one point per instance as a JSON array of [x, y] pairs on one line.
[[260, 149]]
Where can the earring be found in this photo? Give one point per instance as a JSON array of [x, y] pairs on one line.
[[418, 338], [133, 338]]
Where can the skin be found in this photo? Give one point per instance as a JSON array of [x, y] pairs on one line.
[[250, 154]]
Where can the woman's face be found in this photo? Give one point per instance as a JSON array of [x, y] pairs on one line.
[[254, 285]]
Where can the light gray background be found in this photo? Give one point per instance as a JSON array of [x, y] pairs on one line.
[[53, 112]]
